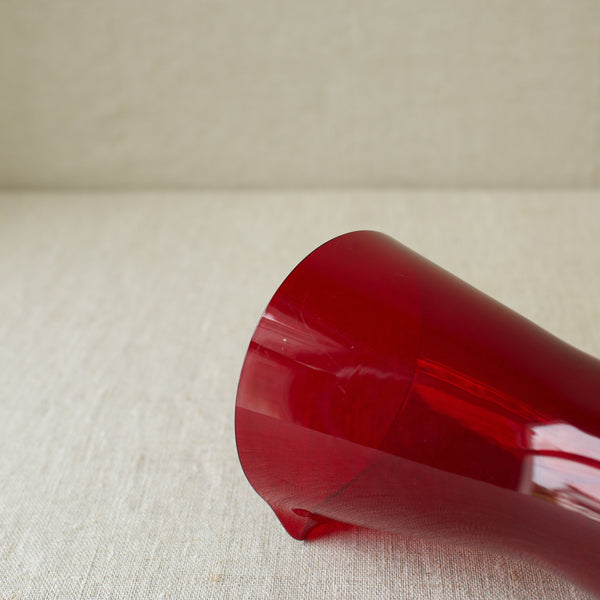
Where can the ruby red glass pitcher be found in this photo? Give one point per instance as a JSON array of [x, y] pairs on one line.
[[381, 391]]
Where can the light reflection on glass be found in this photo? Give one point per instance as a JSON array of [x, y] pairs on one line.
[[563, 467]]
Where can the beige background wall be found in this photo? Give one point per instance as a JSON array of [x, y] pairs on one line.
[[132, 93]]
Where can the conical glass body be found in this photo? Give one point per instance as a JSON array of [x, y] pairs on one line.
[[380, 390]]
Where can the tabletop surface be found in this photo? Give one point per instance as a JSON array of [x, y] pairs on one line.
[[124, 320]]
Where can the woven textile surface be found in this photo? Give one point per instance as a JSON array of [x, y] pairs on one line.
[[124, 320]]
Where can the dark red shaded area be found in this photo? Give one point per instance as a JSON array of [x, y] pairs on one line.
[[379, 390]]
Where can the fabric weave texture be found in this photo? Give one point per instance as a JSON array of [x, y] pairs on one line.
[[124, 320]]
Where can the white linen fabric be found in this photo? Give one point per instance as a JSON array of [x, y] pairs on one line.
[[124, 320]]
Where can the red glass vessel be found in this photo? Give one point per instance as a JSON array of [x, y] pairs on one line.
[[381, 391]]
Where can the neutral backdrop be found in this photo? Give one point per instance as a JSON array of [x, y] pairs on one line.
[[125, 315], [124, 320], [289, 93]]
